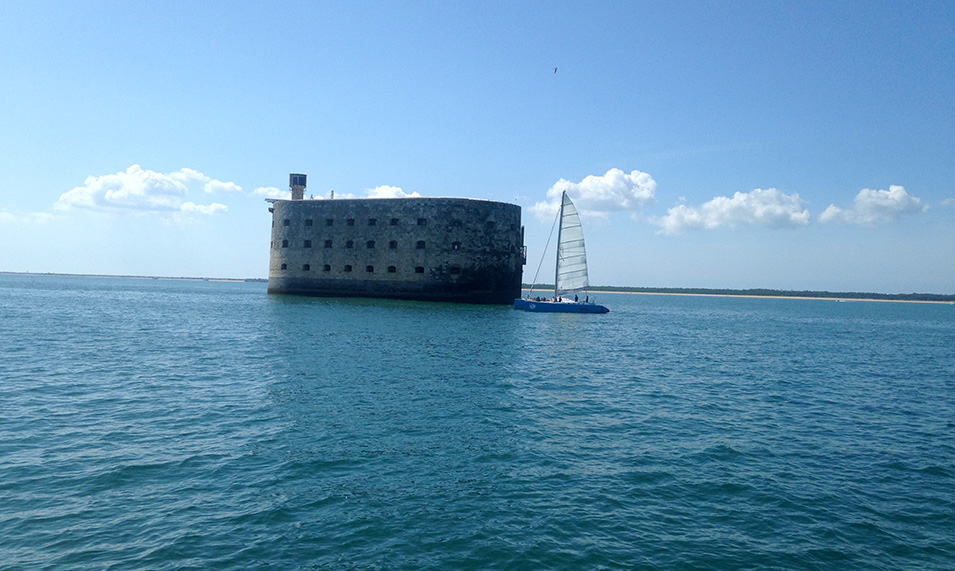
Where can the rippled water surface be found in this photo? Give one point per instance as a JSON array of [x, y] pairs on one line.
[[169, 424]]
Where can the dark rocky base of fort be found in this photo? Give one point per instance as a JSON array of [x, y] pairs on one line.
[[452, 293]]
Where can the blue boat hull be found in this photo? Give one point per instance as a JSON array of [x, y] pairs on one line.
[[558, 307]]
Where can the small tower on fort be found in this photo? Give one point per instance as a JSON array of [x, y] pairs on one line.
[[296, 183]]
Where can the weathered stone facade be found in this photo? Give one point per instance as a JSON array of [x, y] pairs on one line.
[[432, 249]]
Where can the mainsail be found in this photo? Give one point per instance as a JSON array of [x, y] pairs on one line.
[[571, 256]]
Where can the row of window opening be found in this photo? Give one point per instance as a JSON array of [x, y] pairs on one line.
[[490, 224], [351, 222], [370, 244], [371, 269]]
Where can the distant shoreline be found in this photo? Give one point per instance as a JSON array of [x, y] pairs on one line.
[[132, 277], [769, 294], [544, 288], [817, 298]]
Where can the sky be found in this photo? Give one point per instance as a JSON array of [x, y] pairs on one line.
[[784, 145]]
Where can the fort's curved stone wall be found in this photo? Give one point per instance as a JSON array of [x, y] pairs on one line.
[[433, 249]]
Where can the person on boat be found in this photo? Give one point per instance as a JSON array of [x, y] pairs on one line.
[[575, 298]]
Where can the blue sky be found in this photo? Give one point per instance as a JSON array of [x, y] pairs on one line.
[[789, 145]]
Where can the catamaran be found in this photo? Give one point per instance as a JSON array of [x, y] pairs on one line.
[[571, 271]]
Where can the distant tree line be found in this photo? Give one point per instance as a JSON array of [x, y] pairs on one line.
[[765, 292]]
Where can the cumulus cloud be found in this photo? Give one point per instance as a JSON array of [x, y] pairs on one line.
[[187, 175], [600, 195], [272, 192], [143, 190], [383, 191], [213, 208], [771, 208], [875, 206], [218, 186], [948, 202], [386, 191]]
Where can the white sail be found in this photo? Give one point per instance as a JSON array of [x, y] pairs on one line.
[[571, 256]]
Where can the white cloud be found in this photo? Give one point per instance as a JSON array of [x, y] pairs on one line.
[[213, 208], [834, 213], [383, 191], [771, 208], [187, 175], [875, 206], [143, 190], [386, 191], [948, 202], [214, 186], [615, 191], [6, 217], [272, 192]]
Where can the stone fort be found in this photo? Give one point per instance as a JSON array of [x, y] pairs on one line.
[[431, 249]]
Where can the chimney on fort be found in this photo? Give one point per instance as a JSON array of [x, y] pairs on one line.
[[296, 183]]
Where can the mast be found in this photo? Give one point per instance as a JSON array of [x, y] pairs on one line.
[[560, 226]]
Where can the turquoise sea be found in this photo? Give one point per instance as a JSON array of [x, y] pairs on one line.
[[154, 424]]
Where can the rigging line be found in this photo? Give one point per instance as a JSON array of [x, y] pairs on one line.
[[544, 253]]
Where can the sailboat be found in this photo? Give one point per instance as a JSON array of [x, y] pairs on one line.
[[571, 272]]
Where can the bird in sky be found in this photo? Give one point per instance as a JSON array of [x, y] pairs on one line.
[[555, 70]]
